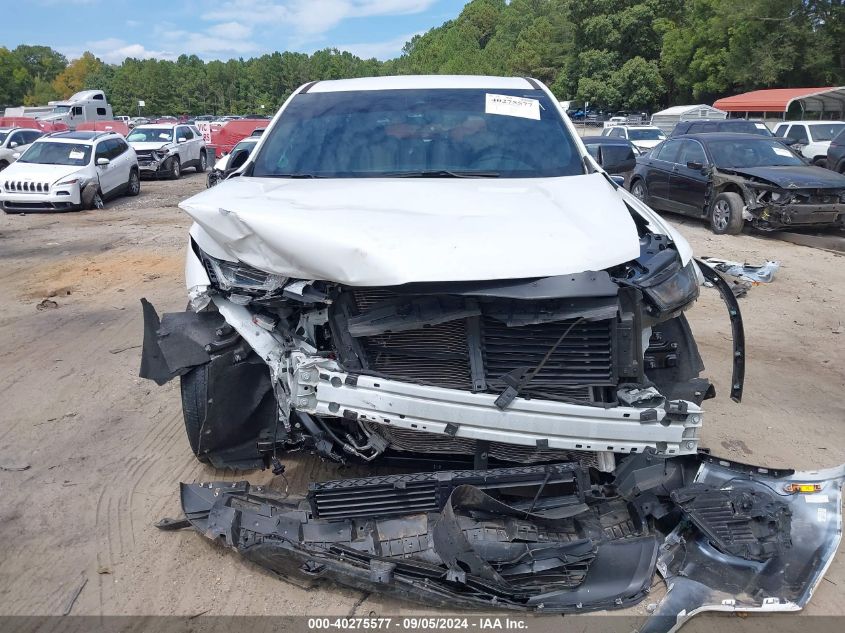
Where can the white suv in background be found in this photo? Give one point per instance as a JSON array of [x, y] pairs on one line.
[[14, 142], [812, 138], [69, 171], [167, 149], [644, 137]]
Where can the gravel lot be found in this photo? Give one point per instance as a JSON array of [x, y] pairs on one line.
[[106, 450]]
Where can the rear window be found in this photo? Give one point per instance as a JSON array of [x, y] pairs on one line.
[[430, 132]]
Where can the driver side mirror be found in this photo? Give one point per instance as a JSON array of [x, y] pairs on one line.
[[181, 139], [13, 144], [102, 161], [695, 165]]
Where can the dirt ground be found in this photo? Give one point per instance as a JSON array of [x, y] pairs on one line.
[[106, 450]]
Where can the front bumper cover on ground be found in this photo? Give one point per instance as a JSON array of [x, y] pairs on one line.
[[542, 539]]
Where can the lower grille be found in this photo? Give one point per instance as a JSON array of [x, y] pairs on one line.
[[386, 495]]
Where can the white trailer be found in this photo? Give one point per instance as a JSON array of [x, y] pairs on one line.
[[82, 107]]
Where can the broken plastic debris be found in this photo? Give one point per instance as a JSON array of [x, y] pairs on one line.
[[757, 274]]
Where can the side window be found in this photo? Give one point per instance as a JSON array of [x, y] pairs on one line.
[[186, 132], [780, 130], [617, 132], [77, 110], [593, 149], [669, 151], [692, 152], [101, 112], [31, 135], [99, 96], [17, 137], [195, 131], [798, 133], [117, 146], [102, 151]]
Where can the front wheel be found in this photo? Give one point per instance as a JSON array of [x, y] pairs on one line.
[[203, 164], [3, 165], [134, 186], [194, 387], [726, 214], [175, 168], [96, 201], [639, 191]]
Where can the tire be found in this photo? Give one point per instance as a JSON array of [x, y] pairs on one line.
[[820, 162], [175, 169], [133, 187], [3, 165], [96, 201], [203, 164], [639, 191], [726, 214], [194, 388]]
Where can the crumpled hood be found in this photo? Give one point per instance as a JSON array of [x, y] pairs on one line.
[[38, 173], [797, 177], [393, 231]]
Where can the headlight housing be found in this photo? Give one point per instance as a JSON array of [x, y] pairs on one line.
[[241, 278], [665, 282]]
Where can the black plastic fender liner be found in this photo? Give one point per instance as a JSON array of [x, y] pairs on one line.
[[737, 330]]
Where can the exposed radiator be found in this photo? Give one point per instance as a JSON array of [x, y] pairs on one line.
[[579, 370]]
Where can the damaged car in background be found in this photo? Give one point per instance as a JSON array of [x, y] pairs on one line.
[[728, 179], [432, 273]]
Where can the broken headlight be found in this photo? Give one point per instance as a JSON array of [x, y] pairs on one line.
[[241, 277], [665, 282]]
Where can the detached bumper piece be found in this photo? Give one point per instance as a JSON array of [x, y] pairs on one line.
[[553, 538]]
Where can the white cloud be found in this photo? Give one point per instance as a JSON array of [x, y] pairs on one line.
[[311, 17], [113, 51], [379, 50], [230, 31]]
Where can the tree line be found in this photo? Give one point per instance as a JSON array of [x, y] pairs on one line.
[[618, 54]]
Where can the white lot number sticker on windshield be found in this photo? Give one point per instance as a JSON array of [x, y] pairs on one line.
[[512, 106], [781, 151], [760, 126], [75, 155]]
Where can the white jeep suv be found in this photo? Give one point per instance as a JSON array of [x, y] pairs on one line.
[[68, 171], [14, 142], [167, 149]]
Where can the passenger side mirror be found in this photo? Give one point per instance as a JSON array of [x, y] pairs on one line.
[[181, 139], [236, 160], [13, 144], [695, 165], [102, 161], [619, 180]]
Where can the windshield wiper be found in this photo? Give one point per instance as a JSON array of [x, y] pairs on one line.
[[440, 173], [302, 175]]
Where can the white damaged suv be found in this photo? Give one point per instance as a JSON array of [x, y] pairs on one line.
[[69, 171], [432, 266], [166, 149]]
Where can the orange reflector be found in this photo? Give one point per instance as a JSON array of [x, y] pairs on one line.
[[805, 488]]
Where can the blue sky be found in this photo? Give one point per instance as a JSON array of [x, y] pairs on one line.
[[219, 29]]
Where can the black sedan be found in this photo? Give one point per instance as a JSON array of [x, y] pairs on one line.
[[730, 178]]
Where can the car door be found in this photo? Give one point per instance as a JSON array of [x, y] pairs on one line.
[[186, 149], [659, 172], [122, 159], [688, 185], [109, 175]]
